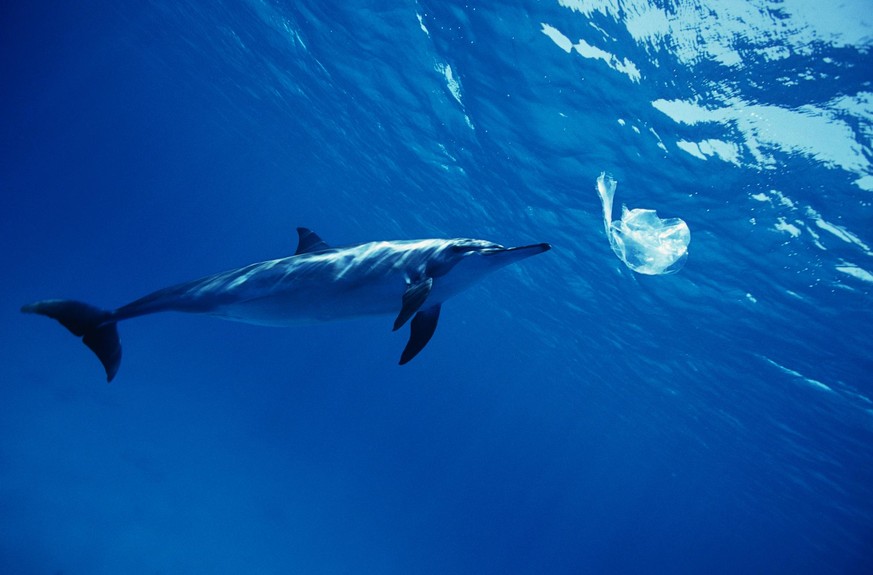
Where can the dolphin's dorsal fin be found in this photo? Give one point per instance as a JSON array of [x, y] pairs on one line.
[[308, 242], [412, 300], [423, 325]]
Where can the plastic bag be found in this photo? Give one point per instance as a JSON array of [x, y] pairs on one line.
[[643, 241]]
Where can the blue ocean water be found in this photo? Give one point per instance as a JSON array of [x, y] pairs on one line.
[[569, 416]]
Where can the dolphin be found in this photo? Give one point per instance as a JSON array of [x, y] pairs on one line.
[[409, 278]]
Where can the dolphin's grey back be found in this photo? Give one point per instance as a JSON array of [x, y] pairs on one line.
[[325, 284]]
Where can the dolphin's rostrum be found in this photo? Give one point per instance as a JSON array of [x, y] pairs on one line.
[[409, 278]]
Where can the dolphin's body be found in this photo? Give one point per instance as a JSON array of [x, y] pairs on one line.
[[318, 283]]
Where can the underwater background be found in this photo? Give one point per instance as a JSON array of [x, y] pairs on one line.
[[569, 415]]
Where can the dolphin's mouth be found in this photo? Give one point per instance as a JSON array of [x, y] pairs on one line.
[[532, 249]]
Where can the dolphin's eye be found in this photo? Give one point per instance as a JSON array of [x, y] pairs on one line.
[[463, 249]]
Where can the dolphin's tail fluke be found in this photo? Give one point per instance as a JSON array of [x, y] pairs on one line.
[[95, 326]]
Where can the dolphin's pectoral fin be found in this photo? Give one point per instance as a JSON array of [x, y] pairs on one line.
[[413, 299], [423, 325], [309, 242]]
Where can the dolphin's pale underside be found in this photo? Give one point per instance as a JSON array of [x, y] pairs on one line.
[[409, 278]]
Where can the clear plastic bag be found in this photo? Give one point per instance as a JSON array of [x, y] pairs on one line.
[[643, 241]]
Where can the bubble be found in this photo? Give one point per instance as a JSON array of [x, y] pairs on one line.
[[643, 241]]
